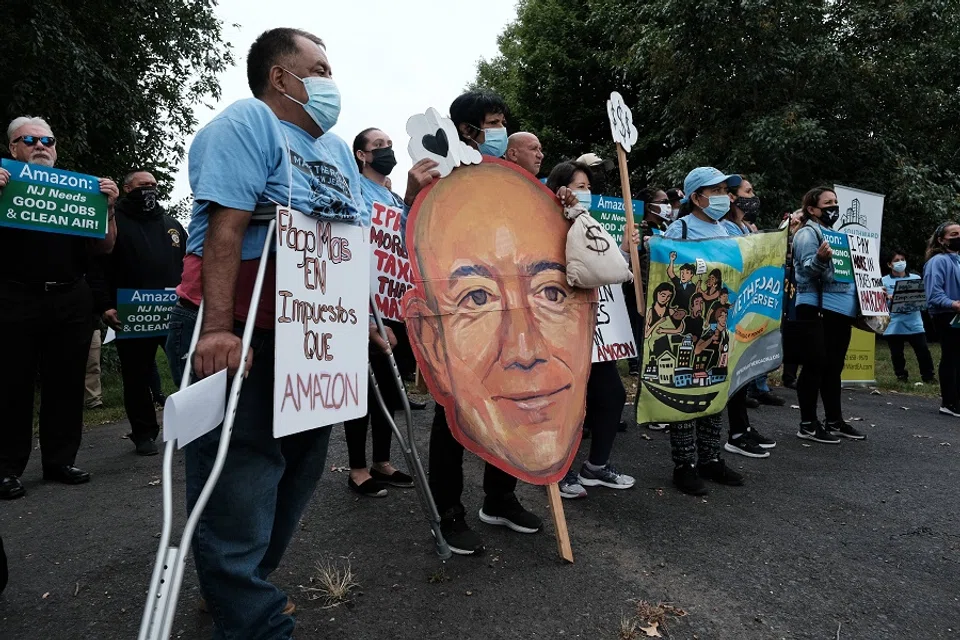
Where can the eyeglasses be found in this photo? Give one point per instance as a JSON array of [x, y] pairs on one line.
[[47, 141]]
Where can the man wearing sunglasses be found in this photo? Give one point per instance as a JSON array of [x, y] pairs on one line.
[[46, 312]]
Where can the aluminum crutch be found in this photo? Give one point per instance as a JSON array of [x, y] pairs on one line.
[[161, 605], [408, 444]]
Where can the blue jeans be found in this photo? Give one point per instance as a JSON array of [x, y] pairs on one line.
[[758, 385], [256, 505]]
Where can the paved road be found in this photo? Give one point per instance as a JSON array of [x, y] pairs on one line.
[[860, 537]]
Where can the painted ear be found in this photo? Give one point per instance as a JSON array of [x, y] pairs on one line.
[[426, 338]]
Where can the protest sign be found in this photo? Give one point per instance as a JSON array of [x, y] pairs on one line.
[[866, 270], [611, 215], [704, 338], [908, 296], [322, 328], [842, 269], [144, 313], [613, 337], [51, 200], [389, 263]]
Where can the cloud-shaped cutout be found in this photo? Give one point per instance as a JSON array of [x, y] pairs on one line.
[[621, 121], [469, 155], [433, 136]]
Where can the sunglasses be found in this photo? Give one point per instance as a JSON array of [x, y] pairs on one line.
[[47, 141]]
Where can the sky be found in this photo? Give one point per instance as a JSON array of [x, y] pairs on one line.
[[391, 58]]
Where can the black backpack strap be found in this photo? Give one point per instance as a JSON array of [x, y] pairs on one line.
[[683, 225]]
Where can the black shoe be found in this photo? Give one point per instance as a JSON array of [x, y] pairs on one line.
[[720, 473], [789, 382], [760, 440], [622, 427], [458, 536], [67, 474], [416, 406], [508, 512], [751, 402], [147, 447], [745, 446], [11, 488], [843, 428], [950, 410], [686, 479], [769, 399], [395, 479], [817, 432], [369, 487]]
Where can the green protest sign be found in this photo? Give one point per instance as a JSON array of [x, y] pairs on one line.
[[610, 213], [842, 265], [144, 313], [46, 199]]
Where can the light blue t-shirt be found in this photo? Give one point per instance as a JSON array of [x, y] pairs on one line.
[[248, 159], [902, 324], [733, 229], [373, 192], [696, 229]]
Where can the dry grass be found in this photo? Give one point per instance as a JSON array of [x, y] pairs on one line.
[[648, 620], [334, 583]]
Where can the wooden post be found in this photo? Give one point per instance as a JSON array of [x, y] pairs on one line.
[[628, 230], [559, 522]]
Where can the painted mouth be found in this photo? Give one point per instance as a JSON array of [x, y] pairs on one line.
[[534, 402]]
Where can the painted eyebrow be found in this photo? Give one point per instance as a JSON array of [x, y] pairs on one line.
[[471, 270], [543, 265]]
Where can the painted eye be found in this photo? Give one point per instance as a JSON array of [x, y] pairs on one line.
[[554, 294], [475, 298]]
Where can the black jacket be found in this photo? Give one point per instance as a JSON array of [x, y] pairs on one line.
[[148, 255]]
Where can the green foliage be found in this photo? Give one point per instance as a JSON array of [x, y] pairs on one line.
[[117, 81], [864, 93]]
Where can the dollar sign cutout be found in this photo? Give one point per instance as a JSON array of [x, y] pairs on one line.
[[599, 244]]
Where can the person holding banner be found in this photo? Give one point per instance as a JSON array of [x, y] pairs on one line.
[[905, 327], [825, 311], [46, 306], [941, 279]]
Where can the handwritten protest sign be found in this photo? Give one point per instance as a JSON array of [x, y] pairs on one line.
[[144, 313], [46, 199], [322, 326], [908, 296], [613, 337], [842, 269], [864, 254], [390, 265]]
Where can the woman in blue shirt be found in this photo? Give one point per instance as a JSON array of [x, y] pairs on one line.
[[825, 313], [905, 327], [941, 279]]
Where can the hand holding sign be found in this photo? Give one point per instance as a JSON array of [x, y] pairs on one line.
[[621, 122]]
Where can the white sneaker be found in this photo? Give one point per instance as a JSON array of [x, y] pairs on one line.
[[949, 411], [606, 476], [570, 486]]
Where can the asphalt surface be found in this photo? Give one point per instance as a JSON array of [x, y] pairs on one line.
[[858, 540]]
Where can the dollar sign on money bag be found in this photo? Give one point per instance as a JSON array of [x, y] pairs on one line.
[[598, 243]]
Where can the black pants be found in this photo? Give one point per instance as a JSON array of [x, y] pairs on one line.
[[949, 370], [605, 399], [919, 343], [636, 321], [737, 412], [382, 435], [446, 468], [825, 337], [156, 389], [137, 359], [50, 331]]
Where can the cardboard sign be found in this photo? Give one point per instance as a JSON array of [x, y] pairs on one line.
[[613, 337], [389, 263], [435, 137], [864, 254], [322, 326], [842, 269], [908, 296], [45, 199], [144, 313], [621, 122]]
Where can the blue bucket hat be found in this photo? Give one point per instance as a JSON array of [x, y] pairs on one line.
[[707, 177]]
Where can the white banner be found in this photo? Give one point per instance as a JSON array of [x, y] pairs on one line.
[[861, 215], [389, 263], [613, 337], [864, 256], [322, 325]]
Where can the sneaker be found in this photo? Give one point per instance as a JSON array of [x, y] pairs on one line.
[[657, 426], [720, 473], [147, 447], [817, 432], [570, 486], [950, 411], [844, 429], [606, 476], [769, 399], [685, 479], [751, 402], [458, 536], [760, 439], [745, 446], [508, 512]]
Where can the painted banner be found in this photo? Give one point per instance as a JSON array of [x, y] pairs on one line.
[[707, 335], [861, 214], [322, 328], [45, 199], [389, 264], [144, 313], [842, 266], [613, 337], [864, 254], [609, 212], [908, 296]]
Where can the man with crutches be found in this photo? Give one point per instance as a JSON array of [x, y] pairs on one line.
[[260, 152]]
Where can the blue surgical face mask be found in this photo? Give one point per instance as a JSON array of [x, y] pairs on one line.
[[323, 100], [495, 142], [585, 198], [719, 206], [900, 266]]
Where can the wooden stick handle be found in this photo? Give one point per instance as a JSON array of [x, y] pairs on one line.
[[628, 229], [559, 522]]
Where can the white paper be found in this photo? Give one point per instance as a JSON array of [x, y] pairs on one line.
[[196, 410], [613, 337], [110, 336], [390, 275]]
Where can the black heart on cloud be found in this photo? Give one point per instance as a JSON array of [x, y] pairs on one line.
[[436, 143]]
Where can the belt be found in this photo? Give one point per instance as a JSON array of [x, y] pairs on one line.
[[46, 287]]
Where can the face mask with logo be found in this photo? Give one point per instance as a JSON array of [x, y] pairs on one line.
[[900, 266], [585, 198], [494, 142], [143, 199], [830, 215], [719, 206], [750, 208], [383, 161], [323, 100]]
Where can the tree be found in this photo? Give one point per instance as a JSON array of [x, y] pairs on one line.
[[117, 81], [864, 93]]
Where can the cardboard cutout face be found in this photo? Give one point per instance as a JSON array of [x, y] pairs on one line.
[[504, 343]]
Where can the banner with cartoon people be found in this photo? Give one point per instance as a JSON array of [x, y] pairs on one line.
[[713, 322]]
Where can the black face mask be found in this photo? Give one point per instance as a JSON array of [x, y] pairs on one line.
[[383, 161], [953, 244], [830, 215], [749, 206], [144, 199]]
